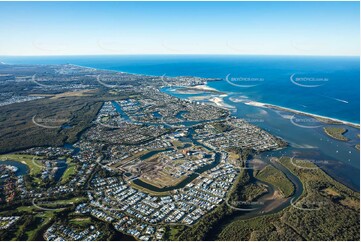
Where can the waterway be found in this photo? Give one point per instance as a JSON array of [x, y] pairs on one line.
[[75, 150], [151, 153], [304, 135], [62, 166], [122, 114], [184, 182], [264, 204], [22, 168]]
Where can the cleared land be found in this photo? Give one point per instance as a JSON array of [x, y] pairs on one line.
[[82, 93]]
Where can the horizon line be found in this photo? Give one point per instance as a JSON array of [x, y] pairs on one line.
[[178, 54]]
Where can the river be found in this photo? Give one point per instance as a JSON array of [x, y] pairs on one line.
[[339, 159]]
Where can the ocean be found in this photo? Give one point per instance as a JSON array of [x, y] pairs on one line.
[[326, 86]]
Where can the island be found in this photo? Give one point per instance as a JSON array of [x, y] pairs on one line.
[[336, 133]]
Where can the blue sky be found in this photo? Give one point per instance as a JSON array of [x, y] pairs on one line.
[[260, 28]]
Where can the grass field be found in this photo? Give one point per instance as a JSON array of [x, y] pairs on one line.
[[44, 219], [29, 160], [31, 225], [69, 172], [51, 204], [174, 232], [81, 221], [34, 168]]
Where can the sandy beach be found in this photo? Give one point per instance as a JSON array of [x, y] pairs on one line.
[[202, 88], [318, 117], [217, 100], [196, 90], [220, 103], [239, 99]]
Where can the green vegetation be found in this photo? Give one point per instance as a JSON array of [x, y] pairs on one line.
[[245, 189], [30, 161], [27, 209], [60, 203], [41, 221], [326, 120], [29, 227], [333, 213], [145, 190], [221, 127], [276, 177], [173, 232], [35, 220], [252, 191], [19, 132], [69, 172], [34, 167], [336, 133], [50, 204], [267, 227], [81, 221], [200, 230], [20, 232]]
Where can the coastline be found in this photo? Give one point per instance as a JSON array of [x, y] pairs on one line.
[[216, 100], [205, 87], [320, 118], [198, 89]]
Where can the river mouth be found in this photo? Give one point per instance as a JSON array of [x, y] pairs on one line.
[[271, 201], [343, 159]]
